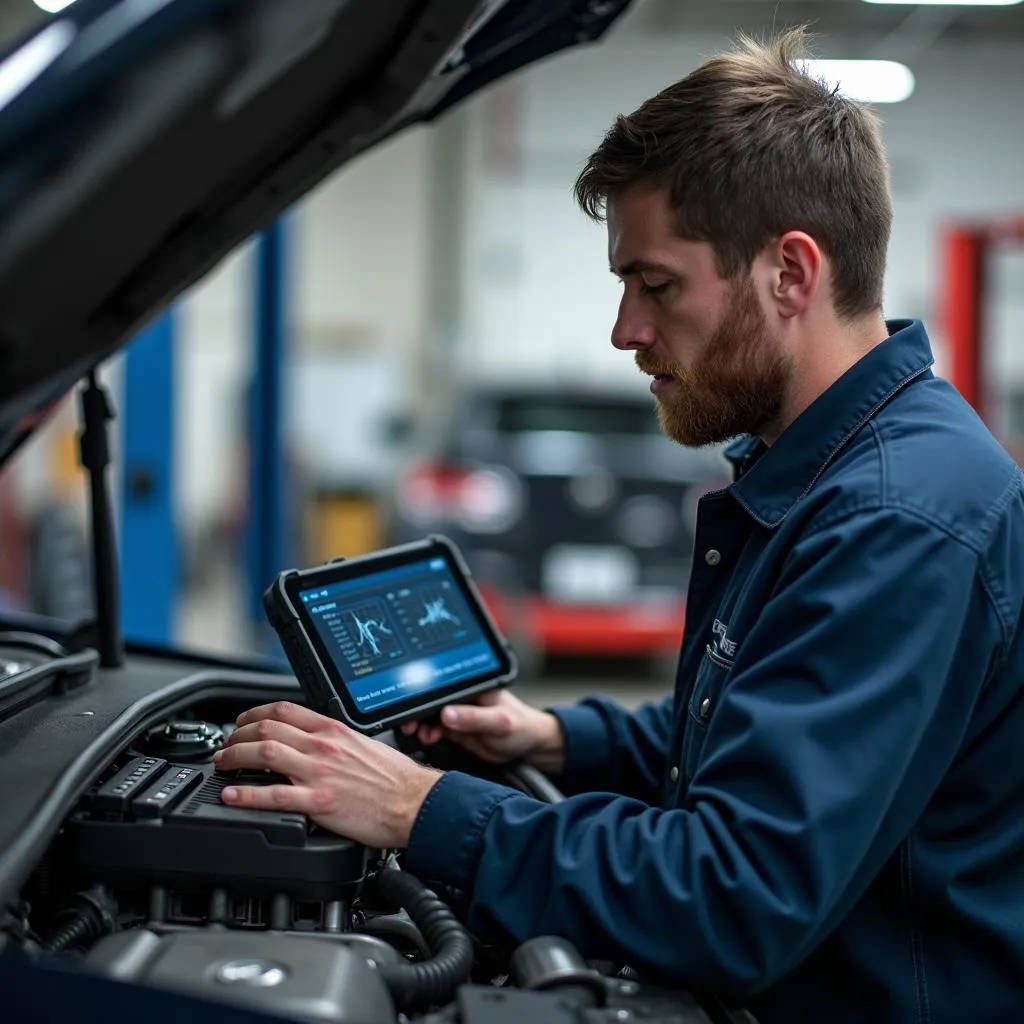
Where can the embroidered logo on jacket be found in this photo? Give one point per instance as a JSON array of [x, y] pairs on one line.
[[723, 645]]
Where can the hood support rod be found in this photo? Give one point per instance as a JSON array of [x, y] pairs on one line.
[[94, 452]]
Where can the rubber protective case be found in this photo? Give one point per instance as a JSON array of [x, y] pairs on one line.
[[321, 682]]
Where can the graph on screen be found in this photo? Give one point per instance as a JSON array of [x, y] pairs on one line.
[[367, 636], [395, 636], [431, 615]]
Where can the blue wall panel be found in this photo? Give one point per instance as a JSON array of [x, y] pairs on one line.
[[149, 549]]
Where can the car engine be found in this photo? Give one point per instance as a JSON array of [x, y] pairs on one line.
[[152, 879]]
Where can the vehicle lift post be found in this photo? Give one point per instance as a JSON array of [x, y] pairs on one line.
[[150, 546], [267, 521], [966, 253]]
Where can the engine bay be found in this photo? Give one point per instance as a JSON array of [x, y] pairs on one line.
[[149, 878]]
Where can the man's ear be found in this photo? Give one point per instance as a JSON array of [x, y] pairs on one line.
[[795, 263]]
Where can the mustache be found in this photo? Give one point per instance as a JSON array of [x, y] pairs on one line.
[[648, 363]]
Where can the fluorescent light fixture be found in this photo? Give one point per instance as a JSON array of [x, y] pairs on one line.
[[941, 3], [53, 6], [866, 81], [21, 68]]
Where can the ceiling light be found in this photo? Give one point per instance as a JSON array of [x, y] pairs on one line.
[[53, 6], [942, 3], [866, 81], [22, 67]]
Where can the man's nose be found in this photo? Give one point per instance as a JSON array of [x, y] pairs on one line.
[[632, 330]]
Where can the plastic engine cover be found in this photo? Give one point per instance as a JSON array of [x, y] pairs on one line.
[[305, 979]]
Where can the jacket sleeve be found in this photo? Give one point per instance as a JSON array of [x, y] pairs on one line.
[[611, 749], [844, 707]]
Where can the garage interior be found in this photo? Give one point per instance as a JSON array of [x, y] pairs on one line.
[[303, 401]]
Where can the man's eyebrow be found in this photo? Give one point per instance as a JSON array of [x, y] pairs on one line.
[[640, 267]]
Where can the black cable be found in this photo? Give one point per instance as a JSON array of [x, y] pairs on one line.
[[19, 688], [533, 782], [435, 981], [33, 642], [80, 930], [87, 916], [449, 755], [391, 927]]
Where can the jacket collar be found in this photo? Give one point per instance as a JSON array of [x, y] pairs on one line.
[[770, 481]]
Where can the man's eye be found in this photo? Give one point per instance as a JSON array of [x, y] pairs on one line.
[[654, 289]]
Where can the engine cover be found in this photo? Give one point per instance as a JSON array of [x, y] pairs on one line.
[[153, 822], [306, 979]]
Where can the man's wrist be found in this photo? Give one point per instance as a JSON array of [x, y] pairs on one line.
[[549, 754], [413, 796]]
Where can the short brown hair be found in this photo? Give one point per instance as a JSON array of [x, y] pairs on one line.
[[749, 146]]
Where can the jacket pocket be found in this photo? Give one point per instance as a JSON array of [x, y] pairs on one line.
[[707, 690]]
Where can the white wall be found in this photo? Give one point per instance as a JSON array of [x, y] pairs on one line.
[[536, 295], [361, 251], [957, 149], [213, 358]]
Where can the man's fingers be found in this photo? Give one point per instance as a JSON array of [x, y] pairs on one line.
[[272, 729], [289, 713], [271, 755], [430, 734], [463, 718], [271, 798]]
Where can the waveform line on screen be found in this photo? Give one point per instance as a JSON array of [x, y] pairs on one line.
[[435, 612], [367, 632]]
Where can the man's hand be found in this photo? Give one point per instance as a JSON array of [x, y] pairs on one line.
[[499, 729], [345, 782]]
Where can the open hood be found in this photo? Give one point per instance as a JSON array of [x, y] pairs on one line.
[[142, 140]]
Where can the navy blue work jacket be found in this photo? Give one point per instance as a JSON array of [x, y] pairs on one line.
[[825, 820]]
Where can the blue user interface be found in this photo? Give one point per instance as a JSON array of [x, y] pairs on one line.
[[399, 633]]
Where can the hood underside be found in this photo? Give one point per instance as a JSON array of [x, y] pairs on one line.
[[142, 140]]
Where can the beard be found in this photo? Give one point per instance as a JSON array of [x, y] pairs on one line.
[[737, 384]]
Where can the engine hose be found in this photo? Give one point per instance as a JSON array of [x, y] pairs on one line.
[[394, 927], [89, 915], [433, 982]]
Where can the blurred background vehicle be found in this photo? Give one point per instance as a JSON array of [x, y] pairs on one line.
[[575, 513]]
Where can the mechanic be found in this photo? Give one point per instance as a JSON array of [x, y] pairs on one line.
[[825, 820]]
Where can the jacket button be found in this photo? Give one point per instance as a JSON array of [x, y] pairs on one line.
[[674, 774], [712, 557], [705, 707]]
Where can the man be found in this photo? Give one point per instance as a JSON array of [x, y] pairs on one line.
[[826, 818]]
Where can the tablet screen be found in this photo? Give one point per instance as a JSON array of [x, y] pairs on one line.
[[398, 634]]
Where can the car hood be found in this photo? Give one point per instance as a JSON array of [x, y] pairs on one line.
[[142, 140]]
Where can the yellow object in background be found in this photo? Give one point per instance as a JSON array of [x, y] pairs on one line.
[[342, 526], [67, 470]]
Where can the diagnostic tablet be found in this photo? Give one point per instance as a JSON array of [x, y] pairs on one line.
[[390, 636]]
